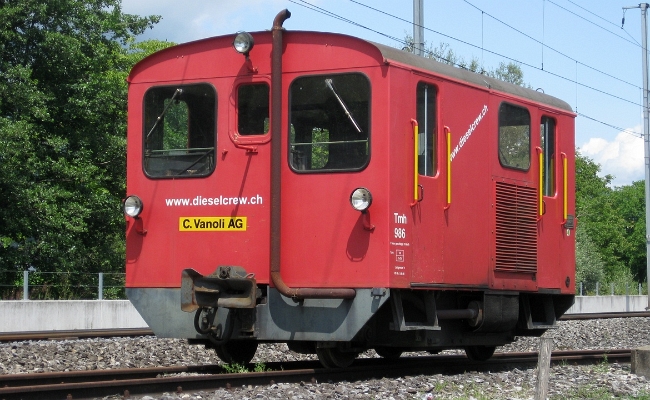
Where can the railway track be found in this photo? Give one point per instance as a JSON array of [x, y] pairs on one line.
[[132, 332], [89, 384]]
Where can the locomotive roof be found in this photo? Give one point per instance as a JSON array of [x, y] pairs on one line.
[[428, 64], [399, 56]]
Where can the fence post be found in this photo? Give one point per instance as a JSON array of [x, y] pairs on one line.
[[639, 289], [580, 288], [597, 288], [100, 294], [25, 285], [543, 367], [612, 288]]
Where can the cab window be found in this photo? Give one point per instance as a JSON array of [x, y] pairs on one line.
[[426, 116], [179, 131], [330, 123], [514, 136], [253, 109], [547, 139]]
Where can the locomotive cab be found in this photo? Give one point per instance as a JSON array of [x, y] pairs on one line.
[[358, 198]]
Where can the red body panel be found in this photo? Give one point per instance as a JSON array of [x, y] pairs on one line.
[[323, 240]]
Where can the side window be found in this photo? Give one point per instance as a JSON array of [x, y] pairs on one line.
[[179, 130], [547, 132], [514, 136], [427, 134], [330, 122], [253, 109]]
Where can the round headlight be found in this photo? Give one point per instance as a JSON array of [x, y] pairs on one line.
[[243, 43], [361, 199], [132, 206]]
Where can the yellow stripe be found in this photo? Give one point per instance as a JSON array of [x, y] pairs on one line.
[[564, 166]]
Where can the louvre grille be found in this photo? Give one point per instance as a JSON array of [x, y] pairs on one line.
[[516, 228]]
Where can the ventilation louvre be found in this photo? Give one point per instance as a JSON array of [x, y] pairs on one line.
[[516, 228]]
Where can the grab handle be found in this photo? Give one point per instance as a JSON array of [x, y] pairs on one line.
[[448, 138]]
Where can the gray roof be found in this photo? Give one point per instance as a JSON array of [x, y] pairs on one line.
[[403, 57]]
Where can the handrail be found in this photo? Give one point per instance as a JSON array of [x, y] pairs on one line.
[[448, 138], [416, 198], [564, 188], [540, 153]]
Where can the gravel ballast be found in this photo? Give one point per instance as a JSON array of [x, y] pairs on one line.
[[599, 381]]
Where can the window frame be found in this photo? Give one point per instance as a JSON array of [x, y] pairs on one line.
[[552, 163], [144, 132], [423, 125], [237, 113], [368, 140], [499, 136]]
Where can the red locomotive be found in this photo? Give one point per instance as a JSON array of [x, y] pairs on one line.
[[340, 195]]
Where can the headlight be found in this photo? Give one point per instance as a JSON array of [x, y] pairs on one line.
[[361, 199], [243, 43], [132, 206]]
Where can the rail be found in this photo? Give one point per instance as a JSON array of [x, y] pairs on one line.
[[80, 384]]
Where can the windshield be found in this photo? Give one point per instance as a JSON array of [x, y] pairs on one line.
[[330, 122], [179, 130]]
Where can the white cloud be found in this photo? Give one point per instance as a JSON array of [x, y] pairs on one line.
[[623, 157], [198, 19]]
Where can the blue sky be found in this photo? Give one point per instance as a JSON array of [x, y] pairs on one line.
[[586, 58]]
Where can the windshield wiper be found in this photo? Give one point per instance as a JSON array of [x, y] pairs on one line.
[[177, 92], [328, 82], [210, 150]]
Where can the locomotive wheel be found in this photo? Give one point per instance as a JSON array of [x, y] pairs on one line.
[[389, 353], [236, 351], [479, 353], [332, 357]]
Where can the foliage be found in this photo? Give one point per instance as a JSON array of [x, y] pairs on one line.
[[510, 72], [611, 228], [590, 268], [62, 132], [235, 368]]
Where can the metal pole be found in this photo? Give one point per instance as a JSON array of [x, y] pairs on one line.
[[418, 27], [100, 289], [646, 131], [25, 285], [646, 135]]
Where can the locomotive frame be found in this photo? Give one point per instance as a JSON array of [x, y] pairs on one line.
[[342, 195]]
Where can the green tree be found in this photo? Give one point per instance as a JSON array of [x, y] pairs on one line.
[[599, 212], [508, 72], [630, 206], [63, 66]]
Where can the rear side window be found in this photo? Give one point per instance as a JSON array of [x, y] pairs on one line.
[[330, 123], [427, 135], [514, 136], [547, 140], [179, 131]]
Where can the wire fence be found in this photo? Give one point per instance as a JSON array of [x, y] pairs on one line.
[[611, 288], [34, 285]]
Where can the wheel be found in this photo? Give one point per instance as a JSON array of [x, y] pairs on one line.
[[389, 353], [236, 351], [332, 357], [479, 353]]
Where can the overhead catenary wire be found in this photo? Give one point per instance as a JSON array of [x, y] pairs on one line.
[[634, 42], [544, 45], [331, 14], [501, 55]]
